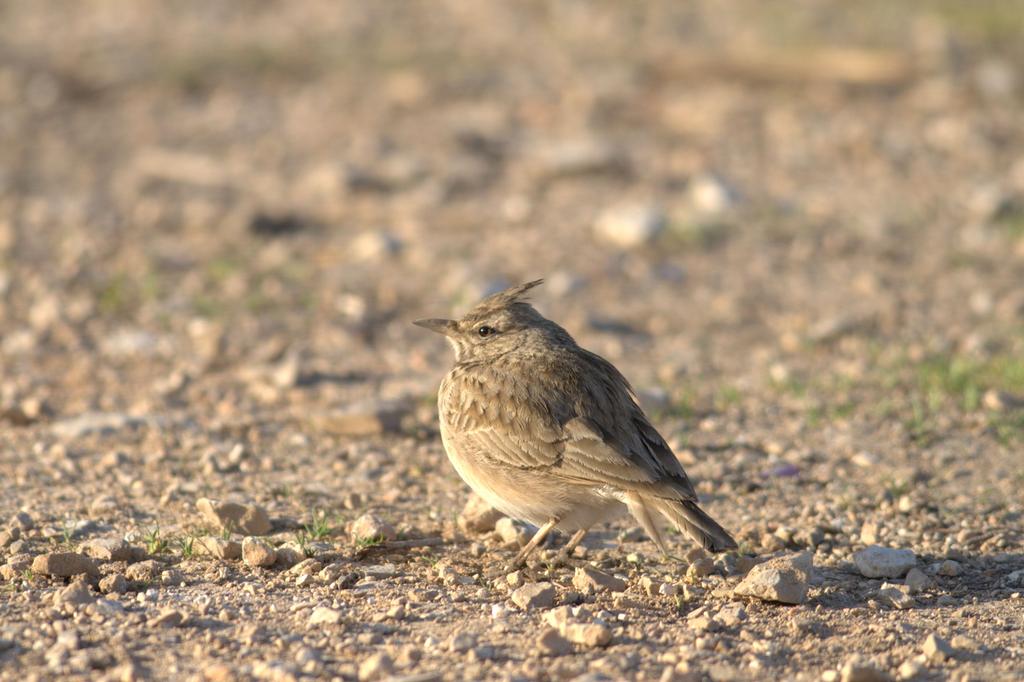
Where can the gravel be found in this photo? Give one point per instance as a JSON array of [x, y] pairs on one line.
[[478, 516], [376, 667], [858, 671], [551, 643], [144, 571], [216, 227]]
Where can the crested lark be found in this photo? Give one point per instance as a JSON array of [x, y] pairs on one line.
[[552, 434]]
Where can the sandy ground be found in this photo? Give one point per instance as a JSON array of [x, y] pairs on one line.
[[798, 232]]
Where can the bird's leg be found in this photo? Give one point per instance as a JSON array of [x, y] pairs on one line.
[[566, 552], [537, 538]]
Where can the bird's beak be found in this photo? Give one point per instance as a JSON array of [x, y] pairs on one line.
[[440, 326]]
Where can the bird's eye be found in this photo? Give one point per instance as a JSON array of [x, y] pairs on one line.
[[485, 330]]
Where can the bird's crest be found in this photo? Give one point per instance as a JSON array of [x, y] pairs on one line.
[[504, 299]]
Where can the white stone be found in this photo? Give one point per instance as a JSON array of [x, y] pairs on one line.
[[630, 225], [710, 195], [884, 562], [323, 615], [370, 526]]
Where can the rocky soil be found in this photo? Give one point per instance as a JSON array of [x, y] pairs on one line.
[[798, 229]]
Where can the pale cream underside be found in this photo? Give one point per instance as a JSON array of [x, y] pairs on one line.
[[535, 496]]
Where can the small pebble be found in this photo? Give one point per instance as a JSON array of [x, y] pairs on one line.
[[936, 649], [370, 526], [628, 226], [376, 667], [323, 615], [884, 562], [589, 580], [235, 517], [534, 596], [257, 552], [552, 643]]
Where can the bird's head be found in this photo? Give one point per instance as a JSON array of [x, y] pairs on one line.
[[500, 323]]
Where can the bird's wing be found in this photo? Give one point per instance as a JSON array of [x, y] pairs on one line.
[[628, 463], [500, 445], [596, 435], [611, 440], [497, 423]]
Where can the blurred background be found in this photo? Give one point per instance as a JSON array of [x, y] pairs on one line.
[[809, 206]]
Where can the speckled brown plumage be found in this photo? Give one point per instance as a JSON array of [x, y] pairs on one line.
[[550, 433]]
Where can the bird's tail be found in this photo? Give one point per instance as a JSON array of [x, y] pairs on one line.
[[691, 519], [640, 507]]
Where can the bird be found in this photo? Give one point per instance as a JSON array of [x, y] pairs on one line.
[[552, 434]]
